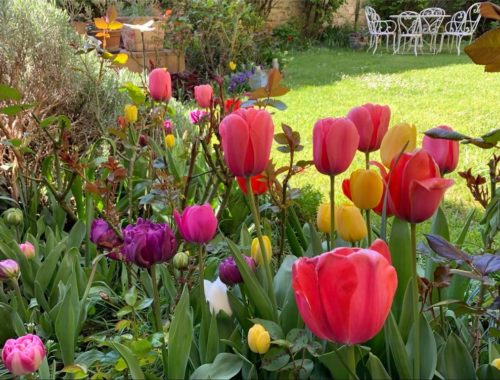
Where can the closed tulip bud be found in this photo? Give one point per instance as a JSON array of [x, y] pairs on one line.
[[170, 141], [203, 95], [444, 152], [197, 224], [323, 220], [372, 121], [229, 272], [168, 126], [366, 188], [160, 85], [24, 355], [496, 363], [349, 223], [216, 296], [181, 260], [259, 339], [130, 113], [27, 249], [13, 216], [394, 141], [9, 269], [256, 252]]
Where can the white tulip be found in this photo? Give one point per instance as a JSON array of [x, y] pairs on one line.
[[216, 295]]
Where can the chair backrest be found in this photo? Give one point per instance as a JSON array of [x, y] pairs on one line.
[[431, 19], [454, 25], [471, 21], [372, 19], [409, 23]]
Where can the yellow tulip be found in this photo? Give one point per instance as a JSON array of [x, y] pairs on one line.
[[130, 113], [349, 223], [232, 66], [323, 218], [256, 253], [366, 188], [259, 339], [169, 140], [496, 363], [394, 141]]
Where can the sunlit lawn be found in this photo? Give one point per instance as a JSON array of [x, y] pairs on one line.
[[425, 90]]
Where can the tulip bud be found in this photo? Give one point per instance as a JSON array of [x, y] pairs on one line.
[[323, 218], [130, 113], [24, 355], [366, 188], [216, 296], [28, 249], [256, 252], [259, 339], [197, 224], [170, 141], [203, 95], [394, 141], [9, 269], [350, 224], [444, 152], [143, 140], [229, 272], [181, 260], [496, 363], [13, 216], [160, 85], [168, 126]]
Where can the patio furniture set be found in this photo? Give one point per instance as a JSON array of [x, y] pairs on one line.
[[412, 31]]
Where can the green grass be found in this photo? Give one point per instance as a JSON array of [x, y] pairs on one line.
[[425, 90]]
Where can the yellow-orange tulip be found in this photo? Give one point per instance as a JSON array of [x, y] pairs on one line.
[[349, 223], [496, 363], [170, 140], [130, 113], [366, 188], [259, 339], [323, 218], [394, 141], [256, 252]]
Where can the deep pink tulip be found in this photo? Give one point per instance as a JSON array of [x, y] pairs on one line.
[[247, 136], [203, 95], [444, 152], [371, 121], [416, 188], [345, 295], [160, 85], [23, 355], [334, 145], [197, 224]]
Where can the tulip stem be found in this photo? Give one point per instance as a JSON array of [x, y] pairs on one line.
[[157, 316], [201, 270], [19, 295], [368, 227], [350, 366], [367, 160], [416, 321], [267, 264], [332, 211]]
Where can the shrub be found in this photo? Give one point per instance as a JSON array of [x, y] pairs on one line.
[[308, 202]]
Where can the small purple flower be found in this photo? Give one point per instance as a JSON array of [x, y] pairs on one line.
[[196, 116], [168, 126], [102, 235], [229, 272], [8, 269], [147, 243]]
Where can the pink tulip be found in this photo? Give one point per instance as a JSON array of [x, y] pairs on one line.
[[197, 224], [23, 355], [203, 95], [444, 152], [334, 144], [28, 249], [160, 85], [345, 295], [9, 269], [371, 121], [247, 136]]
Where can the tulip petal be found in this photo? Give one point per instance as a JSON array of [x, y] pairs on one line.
[[381, 115], [261, 131], [341, 143], [381, 247], [320, 155], [362, 119], [346, 188], [425, 197], [235, 141], [398, 201]]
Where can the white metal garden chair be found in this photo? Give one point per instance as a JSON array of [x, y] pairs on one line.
[[431, 19], [379, 29], [410, 31], [462, 24]]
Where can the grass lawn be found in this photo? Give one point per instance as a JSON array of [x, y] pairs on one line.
[[425, 90]]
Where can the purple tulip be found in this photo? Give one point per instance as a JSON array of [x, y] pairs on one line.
[[197, 116], [197, 224], [102, 235], [147, 243], [168, 126], [229, 272], [8, 269]]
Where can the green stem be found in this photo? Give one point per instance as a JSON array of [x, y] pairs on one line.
[[157, 317], [367, 160], [332, 211], [368, 227], [351, 362], [24, 310], [267, 264], [201, 270], [416, 321]]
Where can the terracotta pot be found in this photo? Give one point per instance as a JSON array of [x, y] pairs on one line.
[[162, 58], [80, 27], [132, 40], [112, 42]]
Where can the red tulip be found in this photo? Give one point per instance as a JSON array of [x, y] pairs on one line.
[[258, 182], [444, 152], [416, 188], [345, 295], [334, 145], [232, 105], [247, 135], [203, 95], [371, 121], [160, 85]]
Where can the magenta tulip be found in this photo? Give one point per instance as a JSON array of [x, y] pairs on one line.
[[345, 295], [203, 95], [197, 224], [444, 152], [160, 85], [371, 121], [334, 145], [23, 355], [247, 136]]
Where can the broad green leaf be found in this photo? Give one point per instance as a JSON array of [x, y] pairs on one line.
[[427, 350], [15, 109], [225, 367], [376, 368], [406, 316], [9, 93], [492, 137], [273, 328], [131, 296], [488, 372], [130, 359], [336, 364], [275, 359], [398, 350], [65, 325], [136, 93], [212, 340], [283, 280], [454, 361]]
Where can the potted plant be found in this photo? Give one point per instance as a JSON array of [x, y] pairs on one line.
[[107, 29]]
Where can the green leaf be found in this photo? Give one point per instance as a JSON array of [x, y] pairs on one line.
[[283, 280], [488, 372], [406, 316], [376, 368], [225, 367], [275, 359], [212, 340], [48, 121], [131, 296], [454, 361], [130, 359], [428, 349], [65, 325], [9, 93], [180, 338], [15, 109], [136, 93], [397, 346], [273, 328], [336, 364], [492, 137]]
